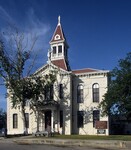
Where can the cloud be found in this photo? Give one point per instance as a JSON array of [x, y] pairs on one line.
[[2, 98], [32, 26], [5, 16], [36, 27]]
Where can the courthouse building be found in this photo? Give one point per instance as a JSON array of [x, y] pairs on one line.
[[76, 96]]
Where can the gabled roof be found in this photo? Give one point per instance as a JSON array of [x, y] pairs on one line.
[[41, 69], [60, 63], [58, 34], [56, 63], [86, 70]]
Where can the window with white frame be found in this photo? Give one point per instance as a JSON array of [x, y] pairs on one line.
[[15, 120], [60, 50], [54, 50], [61, 93], [95, 92], [49, 92], [80, 93], [96, 116], [57, 37]]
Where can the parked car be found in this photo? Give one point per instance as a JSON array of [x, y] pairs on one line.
[[3, 132]]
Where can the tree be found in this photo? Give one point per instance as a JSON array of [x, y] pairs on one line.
[[2, 118], [12, 65], [117, 100], [41, 92], [22, 88]]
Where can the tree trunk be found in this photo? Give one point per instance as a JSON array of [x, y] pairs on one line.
[[25, 132], [38, 119]]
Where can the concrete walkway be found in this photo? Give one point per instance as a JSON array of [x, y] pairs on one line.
[[107, 144]]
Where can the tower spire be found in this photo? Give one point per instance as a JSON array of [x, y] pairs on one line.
[[59, 20], [59, 48]]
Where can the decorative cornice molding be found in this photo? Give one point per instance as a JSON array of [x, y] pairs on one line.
[[89, 74]]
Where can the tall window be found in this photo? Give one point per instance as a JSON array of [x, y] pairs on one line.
[[49, 92], [60, 49], [27, 119], [54, 50], [80, 119], [15, 121], [95, 92], [96, 116], [61, 94], [61, 118], [80, 98]]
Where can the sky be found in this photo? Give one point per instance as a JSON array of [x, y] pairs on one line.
[[98, 31]]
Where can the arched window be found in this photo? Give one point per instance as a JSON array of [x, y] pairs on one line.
[[95, 92], [80, 94], [15, 121]]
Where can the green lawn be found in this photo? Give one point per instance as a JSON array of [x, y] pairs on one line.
[[93, 137]]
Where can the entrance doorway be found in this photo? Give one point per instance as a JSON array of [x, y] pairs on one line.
[[48, 120]]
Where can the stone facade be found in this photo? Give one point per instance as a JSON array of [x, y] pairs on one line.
[[77, 93]]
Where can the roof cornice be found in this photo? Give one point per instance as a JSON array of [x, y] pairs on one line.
[[92, 73]]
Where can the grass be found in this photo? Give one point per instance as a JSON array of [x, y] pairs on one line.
[[95, 137], [84, 137]]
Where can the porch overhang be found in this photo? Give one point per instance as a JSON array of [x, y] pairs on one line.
[[49, 105]]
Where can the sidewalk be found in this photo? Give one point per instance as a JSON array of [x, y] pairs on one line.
[[109, 144]]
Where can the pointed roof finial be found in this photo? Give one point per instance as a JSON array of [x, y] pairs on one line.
[[58, 20]]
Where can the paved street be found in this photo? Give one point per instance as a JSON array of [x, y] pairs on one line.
[[8, 144]]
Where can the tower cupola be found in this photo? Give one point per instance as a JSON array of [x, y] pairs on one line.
[[59, 48]]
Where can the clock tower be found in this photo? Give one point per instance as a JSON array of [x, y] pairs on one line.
[[59, 48]]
